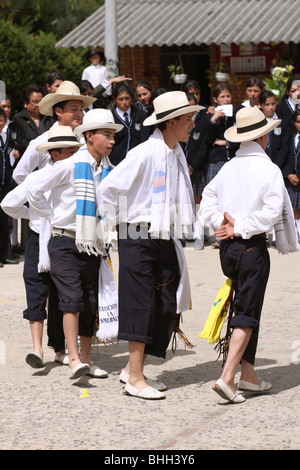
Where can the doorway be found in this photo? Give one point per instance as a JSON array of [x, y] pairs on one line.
[[195, 62]]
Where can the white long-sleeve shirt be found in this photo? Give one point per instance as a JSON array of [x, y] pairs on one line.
[[96, 75], [14, 203], [250, 188], [60, 208], [32, 159], [126, 193]]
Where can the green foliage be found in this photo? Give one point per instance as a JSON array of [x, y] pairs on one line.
[[51, 16], [278, 80], [27, 58], [29, 30]]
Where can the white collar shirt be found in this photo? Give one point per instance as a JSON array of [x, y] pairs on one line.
[[122, 113], [60, 209], [250, 188]]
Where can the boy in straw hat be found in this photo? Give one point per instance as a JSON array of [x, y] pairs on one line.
[[153, 184], [74, 248], [61, 144], [243, 203], [66, 105]]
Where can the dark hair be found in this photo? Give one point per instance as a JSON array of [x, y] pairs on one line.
[[157, 92], [219, 88], [191, 96], [84, 85], [255, 81], [289, 84], [162, 125], [189, 84], [295, 114], [119, 87], [145, 84], [31, 89], [61, 105], [53, 76], [265, 95]]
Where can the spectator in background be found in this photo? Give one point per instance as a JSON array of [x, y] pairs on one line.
[[31, 122], [53, 81], [12, 132], [254, 87], [7, 156], [290, 100], [291, 170], [143, 91], [279, 138], [130, 116], [86, 89], [96, 72]]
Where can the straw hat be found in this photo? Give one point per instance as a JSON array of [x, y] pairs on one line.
[[59, 137], [97, 119], [250, 124], [65, 92], [170, 105]]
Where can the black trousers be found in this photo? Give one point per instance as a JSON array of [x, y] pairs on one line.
[[148, 281], [76, 277], [40, 287], [247, 263]]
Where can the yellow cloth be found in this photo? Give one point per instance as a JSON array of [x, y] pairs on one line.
[[217, 315]]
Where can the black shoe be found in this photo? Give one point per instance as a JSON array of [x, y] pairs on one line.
[[11, 261], [1, 264], [14, 252], [207, 240]]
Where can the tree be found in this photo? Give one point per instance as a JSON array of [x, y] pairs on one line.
[[27, 58]]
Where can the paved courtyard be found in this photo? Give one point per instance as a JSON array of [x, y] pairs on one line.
[[44, 409]]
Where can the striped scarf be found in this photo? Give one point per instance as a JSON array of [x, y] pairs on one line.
[[86, 208], [184, 210]]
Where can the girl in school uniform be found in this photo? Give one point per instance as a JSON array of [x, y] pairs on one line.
[[279, 138], [219, 149], [291, 170], [254, 87], [131, 117], [290, 100]]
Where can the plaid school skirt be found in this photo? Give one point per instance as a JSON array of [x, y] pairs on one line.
[[294, 193], [198, 182], [213, 169]]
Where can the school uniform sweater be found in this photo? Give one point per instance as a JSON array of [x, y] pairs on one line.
[[130, 136], [278, 144]]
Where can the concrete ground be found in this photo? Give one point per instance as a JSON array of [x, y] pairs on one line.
[[44, 409]]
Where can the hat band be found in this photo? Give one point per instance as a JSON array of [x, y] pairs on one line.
[[252, 127], [62, 138], [170, 111]]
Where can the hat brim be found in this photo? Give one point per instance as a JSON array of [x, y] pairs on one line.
[[232, 135], [43, 148], [151, 120], [50, 100], [92, 126]]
